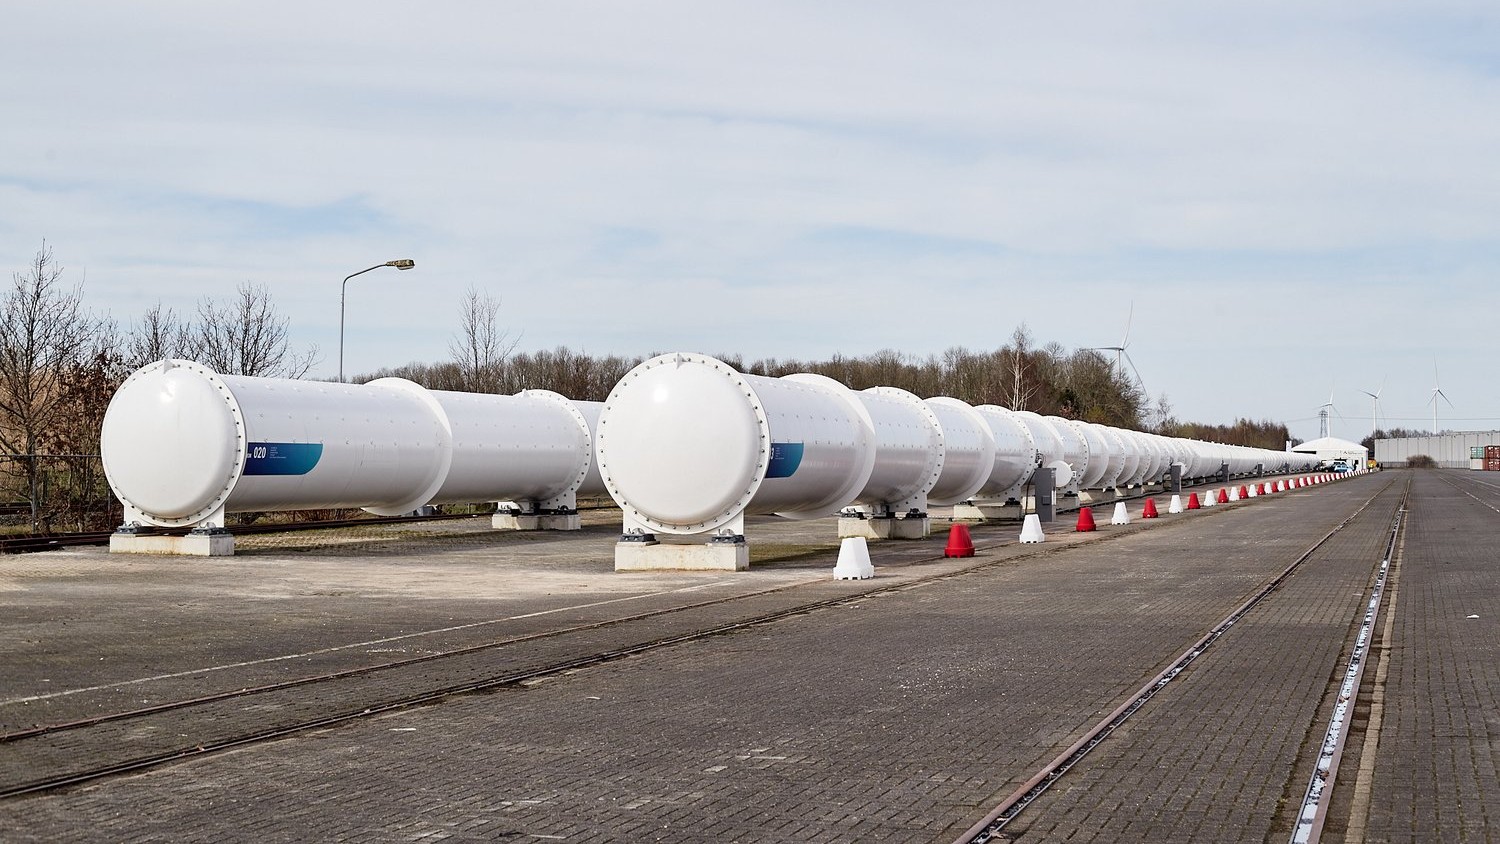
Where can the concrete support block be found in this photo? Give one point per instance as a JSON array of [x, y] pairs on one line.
[[885, 527], [192, 545], [536, 521], [515, 521], [661, 556]]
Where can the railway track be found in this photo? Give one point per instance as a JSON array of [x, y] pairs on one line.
[[94, 742], [1313, 809], [125, 740], [24, 544], [52, 542]]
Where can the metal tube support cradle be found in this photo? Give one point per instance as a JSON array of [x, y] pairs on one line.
[[1175, 483]]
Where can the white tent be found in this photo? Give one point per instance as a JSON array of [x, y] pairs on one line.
[[1333, 448]]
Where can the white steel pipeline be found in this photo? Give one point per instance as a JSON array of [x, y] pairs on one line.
[[182, 445]]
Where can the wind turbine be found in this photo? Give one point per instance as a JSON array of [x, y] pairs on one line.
[[1121, 355], [1323, 426], [1437, 390], [1375, 411]]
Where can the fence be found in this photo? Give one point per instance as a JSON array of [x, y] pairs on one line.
[[55, 493]]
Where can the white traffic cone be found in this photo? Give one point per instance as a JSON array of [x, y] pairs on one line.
[[1031, 529], [854, 560], [1121, 516]]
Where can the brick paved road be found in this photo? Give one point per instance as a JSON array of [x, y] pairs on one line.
[[900, 717], [1214, 755], [1435, 777]]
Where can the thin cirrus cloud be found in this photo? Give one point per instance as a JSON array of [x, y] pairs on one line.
[[793, 180]]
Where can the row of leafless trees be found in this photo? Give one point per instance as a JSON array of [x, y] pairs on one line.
[[1049, 379], [61, 362]]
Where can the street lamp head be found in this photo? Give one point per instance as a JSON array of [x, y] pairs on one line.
[[399, 263]]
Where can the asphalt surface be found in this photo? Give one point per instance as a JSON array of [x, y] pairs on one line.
[[902, 708]]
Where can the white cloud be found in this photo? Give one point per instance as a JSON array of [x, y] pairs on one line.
[[789, 179]]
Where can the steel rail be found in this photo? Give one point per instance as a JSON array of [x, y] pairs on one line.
[[1313, 810], [992, 824], [431, 695]]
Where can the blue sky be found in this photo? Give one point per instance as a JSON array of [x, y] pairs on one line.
[[1297, 198]]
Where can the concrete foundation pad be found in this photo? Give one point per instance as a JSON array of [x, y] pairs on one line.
[[909, 528], [712, 556], [192, 545], [517, 521]]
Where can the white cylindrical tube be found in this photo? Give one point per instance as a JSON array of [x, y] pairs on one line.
[[909, 450], [1042, 434], [1115, 448], [1075, 452], [182, 445], [689, 445], [1132, 462], [535, 445], [1016, 454], [1100, 453], [968, 451]]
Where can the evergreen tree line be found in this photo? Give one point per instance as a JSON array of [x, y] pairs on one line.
[[60, 364]]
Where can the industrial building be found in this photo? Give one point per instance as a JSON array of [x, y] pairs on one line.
[[1453, 450]]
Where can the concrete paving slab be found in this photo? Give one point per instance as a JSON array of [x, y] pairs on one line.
[[901, 711]]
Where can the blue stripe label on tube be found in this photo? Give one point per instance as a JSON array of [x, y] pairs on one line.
[[785, 458], [282, 458]]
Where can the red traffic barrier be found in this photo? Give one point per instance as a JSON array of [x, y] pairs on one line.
[[960, 543], [1244, 493], [1150, 511], [1194, 503], [1085, 520], [1224, 496]]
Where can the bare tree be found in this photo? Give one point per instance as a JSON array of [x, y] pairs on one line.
[[159, 335], [247, 336], [481, 348], [1162, 413], [1022, 384], [44, 332], [75, 490]]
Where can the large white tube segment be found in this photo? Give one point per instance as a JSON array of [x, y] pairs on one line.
[[689, 445], [183, 445]]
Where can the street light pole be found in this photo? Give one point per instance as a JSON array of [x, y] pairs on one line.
[[400, 264]]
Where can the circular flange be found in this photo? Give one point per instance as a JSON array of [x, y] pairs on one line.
[[173, 442], [684, 443]]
